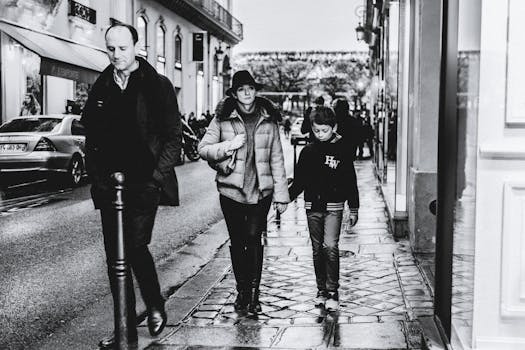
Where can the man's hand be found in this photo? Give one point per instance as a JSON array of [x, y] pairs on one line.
[[280, 207], [237, 142], [353, 219]]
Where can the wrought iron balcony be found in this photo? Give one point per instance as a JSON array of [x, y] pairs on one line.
[[209, 14]]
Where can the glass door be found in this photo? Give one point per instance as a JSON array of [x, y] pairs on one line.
[[455, 236]]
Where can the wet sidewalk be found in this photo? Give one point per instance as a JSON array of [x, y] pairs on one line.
[[382, 291]]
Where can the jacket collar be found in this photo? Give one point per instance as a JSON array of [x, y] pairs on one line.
[[227, 109], [144, 71], [336, 137]]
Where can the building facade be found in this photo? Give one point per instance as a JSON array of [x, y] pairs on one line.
[[448, 77], [52, 51]]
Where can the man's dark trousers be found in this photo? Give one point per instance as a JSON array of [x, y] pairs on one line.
[[140, 207]]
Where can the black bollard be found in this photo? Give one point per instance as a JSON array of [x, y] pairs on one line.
[[294, 157], [120, 269]]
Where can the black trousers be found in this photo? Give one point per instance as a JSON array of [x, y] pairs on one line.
[[245, 222], [140, 207]]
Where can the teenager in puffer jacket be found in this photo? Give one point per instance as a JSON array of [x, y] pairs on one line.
[[242, 143]]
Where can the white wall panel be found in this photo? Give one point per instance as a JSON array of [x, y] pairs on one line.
[[515, 104], [513, 251]]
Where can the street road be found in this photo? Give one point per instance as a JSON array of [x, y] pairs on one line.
[[52, 264]]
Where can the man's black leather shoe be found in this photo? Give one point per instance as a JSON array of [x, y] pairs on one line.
[[157, 319], [108, 342]]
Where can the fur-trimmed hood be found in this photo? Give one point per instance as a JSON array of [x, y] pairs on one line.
[[266, 107]]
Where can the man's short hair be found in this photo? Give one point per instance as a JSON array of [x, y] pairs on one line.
[[323, 116], [132, 30], [319, 101]]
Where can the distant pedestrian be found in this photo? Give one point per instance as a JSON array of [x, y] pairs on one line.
[[192, 122], [287, 126], [368, 137], [209, 117], [350, 128], [325, 172], [132, 126], [30, 105], [306, 127], [242, 143]]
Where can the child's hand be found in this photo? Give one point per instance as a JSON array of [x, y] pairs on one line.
[[280, 207], [353, 219]]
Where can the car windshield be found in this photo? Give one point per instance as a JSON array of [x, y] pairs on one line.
[[31, 125]]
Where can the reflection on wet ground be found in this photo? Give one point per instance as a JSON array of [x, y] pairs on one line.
[[381, 295]]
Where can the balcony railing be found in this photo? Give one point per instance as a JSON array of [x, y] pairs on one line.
[[214, 9]]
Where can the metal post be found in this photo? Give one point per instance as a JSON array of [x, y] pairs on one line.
[[120, 269], [294, 157]]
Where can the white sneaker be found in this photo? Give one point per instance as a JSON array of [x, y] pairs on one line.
[[332, 302], [320, 299]]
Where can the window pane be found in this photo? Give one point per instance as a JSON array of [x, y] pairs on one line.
[[215, 66], [160, 41], [142, 27], [31, 125], [178, 51], [469, 29]]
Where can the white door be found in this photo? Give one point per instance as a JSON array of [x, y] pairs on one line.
[[499, 277]]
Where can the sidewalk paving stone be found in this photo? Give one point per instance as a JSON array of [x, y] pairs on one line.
[[381, 293]]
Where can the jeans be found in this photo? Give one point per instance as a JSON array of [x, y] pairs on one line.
[[325, 228]]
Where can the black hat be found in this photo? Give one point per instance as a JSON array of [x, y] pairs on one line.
[[240, 78]]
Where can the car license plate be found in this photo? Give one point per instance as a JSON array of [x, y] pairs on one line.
[[12, 147]]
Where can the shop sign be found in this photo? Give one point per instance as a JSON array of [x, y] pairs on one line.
[[78, 10], [67, 71], [198, 47]]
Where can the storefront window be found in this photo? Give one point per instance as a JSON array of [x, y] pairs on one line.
[[161, 49], [178, 52], [200, 88], [469, 29], [21, 74]]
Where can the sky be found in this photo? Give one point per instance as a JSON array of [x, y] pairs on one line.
[[298, 25]]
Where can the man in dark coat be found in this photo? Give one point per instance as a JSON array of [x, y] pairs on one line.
[[348, 126], [132, 126]]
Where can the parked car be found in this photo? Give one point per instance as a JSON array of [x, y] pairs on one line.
[[45, 144], [296, 136]]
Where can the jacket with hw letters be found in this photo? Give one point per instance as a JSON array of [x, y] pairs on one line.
[[325, 172]]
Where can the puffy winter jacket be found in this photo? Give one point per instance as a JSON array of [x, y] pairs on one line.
[[269, 159]]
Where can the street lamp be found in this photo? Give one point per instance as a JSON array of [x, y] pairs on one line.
[[219, 52], [360, 32]]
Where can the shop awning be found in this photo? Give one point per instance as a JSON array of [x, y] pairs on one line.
[[60, 57]]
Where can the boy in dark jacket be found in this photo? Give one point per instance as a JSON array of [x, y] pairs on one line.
[[325, 172]]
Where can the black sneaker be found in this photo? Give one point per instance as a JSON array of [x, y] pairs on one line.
[[320, 299]]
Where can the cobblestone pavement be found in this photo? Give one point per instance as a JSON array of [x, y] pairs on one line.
[[381, 295]]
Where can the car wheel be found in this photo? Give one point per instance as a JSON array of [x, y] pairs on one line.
[[75, 171]]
